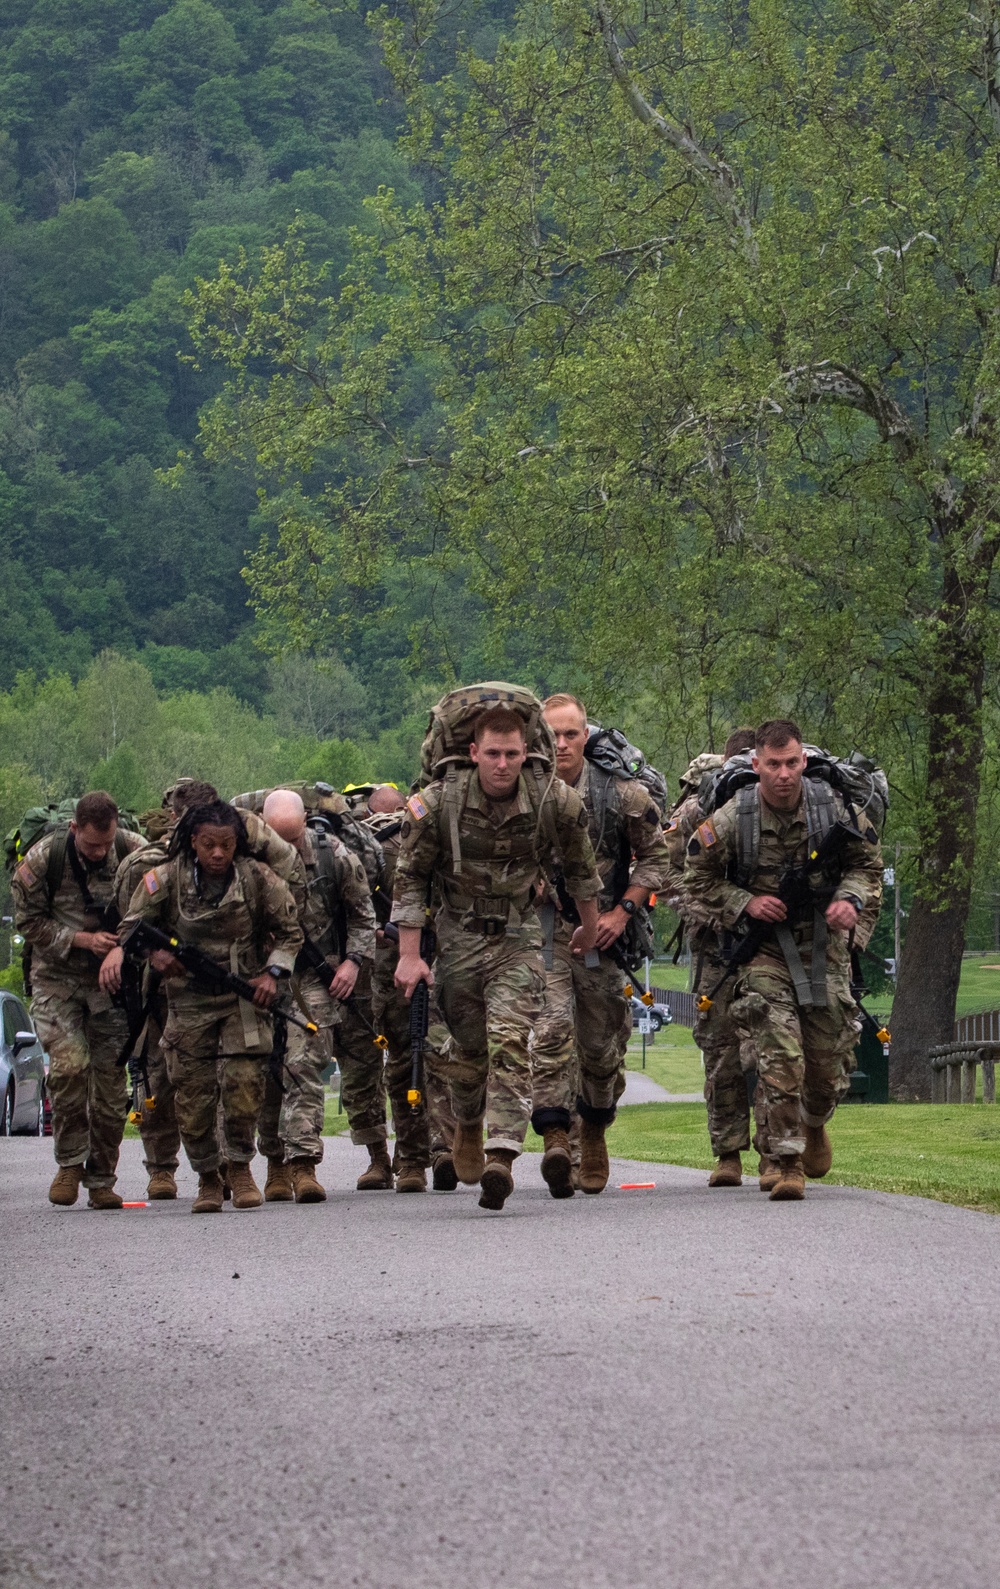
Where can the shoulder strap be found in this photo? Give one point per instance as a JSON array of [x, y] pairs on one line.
[[540, 786], [747, 833], [821, 809], [452, 805], [56, 864], [255, 893]]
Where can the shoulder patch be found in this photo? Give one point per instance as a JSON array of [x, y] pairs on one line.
[[26, 876], [152, 882], [652, 816], [415, 806], [707, 834]]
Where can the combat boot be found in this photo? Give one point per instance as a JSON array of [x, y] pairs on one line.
[[769, 1173], [444, 1178], [304, 1182], [104, 1197], [467, 1151], [246, 1192], [594, 1165], [557, 1164], [791, 1188], [818, 1157], [278, 1186], [496, 1182], [211, 1193], [728, 1171], [378, 1176], [65, 1189], [162, 1186], [410, 1177]]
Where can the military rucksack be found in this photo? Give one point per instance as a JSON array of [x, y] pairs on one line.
[[444, 755], [328, 812], [39, 821], [608, 749]]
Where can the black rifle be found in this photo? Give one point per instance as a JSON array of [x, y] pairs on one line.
[[129, 998], [144, 938], [311, 958], [799, 893], [420, 1014]]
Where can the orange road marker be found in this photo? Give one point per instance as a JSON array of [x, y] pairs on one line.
[[135, 1205], [637, 1186]]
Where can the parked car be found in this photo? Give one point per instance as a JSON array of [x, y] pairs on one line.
[[23, 1066], [660, 1015]]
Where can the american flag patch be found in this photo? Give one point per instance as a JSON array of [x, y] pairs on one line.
[[672, 826], [707, 835], [416, 807], [152, 882], [26, 875]]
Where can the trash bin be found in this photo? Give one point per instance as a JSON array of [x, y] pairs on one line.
[[870, 1082]]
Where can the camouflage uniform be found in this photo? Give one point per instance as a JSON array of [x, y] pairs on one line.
[[725, 1077], [291, 1121], [489, 970], [217, 1045], [83, 1030], [579, 1042], [161, 1137], [804, 1053], [422, 1134]]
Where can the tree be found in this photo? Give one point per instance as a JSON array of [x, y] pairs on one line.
[[707, 313]]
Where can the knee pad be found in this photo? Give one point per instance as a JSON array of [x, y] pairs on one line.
[[551, 1119], [596, 1117]]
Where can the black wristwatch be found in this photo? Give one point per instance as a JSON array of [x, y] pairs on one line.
[[359, 960], [629, 906], [852, 899], [277, 972]]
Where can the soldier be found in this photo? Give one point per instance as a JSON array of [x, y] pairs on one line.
[[725, 1079], [425, 1135], [63, 895], [476, 842], [792, 1006], [211, 894], [579, 1042], [161, 1138], [291, 1122]]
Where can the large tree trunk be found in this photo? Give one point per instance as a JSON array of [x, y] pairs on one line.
[[924, 1007]]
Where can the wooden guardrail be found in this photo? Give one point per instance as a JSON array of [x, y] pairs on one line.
[[976, 1042]]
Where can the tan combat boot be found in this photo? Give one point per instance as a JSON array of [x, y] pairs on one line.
[[162, 1186], [410, 1177], [791, 1188], [467, 1151], [557, 1163], [496, 1182], [246, 1192], [769, 1173], [306, 1187], [210, 1193], [278, 1186], [728, 1171], [104, 1197], [65, 1189], [818, 1157], [444, 1178], [378, 1176], [594, 1165]]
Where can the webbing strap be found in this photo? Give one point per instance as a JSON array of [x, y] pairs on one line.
[[819, 992], [810, 992], [747, 832], [821, 810], [451, 803]]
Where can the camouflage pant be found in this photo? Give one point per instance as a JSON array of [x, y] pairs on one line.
[[216, 1049], [430, 1128], [291, 1117], [362, 1086], [725, 1077], [161, 1137], [804, 1056], [579, 1041], [490, 991], [84, 1033]]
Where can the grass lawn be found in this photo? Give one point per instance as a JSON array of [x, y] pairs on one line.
[[950, 1152], [671, 1059], [979, 988]]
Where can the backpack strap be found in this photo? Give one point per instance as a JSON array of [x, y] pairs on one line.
[[56, 864], [540, 784], [821, 809], [747, 833], [452, 805]]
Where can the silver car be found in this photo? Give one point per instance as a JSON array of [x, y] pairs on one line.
[[22, 1071]]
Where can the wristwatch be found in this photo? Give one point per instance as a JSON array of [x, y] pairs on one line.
[[277, 972], [629, 906], [852, 899], [359, 960]]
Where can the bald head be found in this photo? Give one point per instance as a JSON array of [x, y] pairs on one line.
[[385, 798], [284, 812]]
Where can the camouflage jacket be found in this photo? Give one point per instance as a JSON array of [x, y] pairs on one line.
[[50, 927], [251, 925], [713, 857], [502, 846], [336, 883]]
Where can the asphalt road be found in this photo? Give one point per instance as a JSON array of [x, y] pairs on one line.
[[677, 1388]]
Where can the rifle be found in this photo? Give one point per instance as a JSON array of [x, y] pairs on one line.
[[797, 894], [144, 938], [420, 1013], [129, 998], [311, 958]]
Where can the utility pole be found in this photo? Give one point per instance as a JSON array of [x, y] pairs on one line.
[[897, 913]]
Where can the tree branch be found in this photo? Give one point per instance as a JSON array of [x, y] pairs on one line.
[[716, 174], [815, 383]]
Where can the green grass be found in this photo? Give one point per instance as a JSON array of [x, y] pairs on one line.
[[671, 1059], [950, 1152]]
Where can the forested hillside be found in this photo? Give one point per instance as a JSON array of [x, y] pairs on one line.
[[140, 143]]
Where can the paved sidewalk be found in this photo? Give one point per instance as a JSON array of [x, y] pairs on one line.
[[666, 1389]]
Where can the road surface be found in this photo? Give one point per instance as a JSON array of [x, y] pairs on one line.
[[667, 1389]]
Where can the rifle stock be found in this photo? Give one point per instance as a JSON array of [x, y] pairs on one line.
[[144, 937]]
